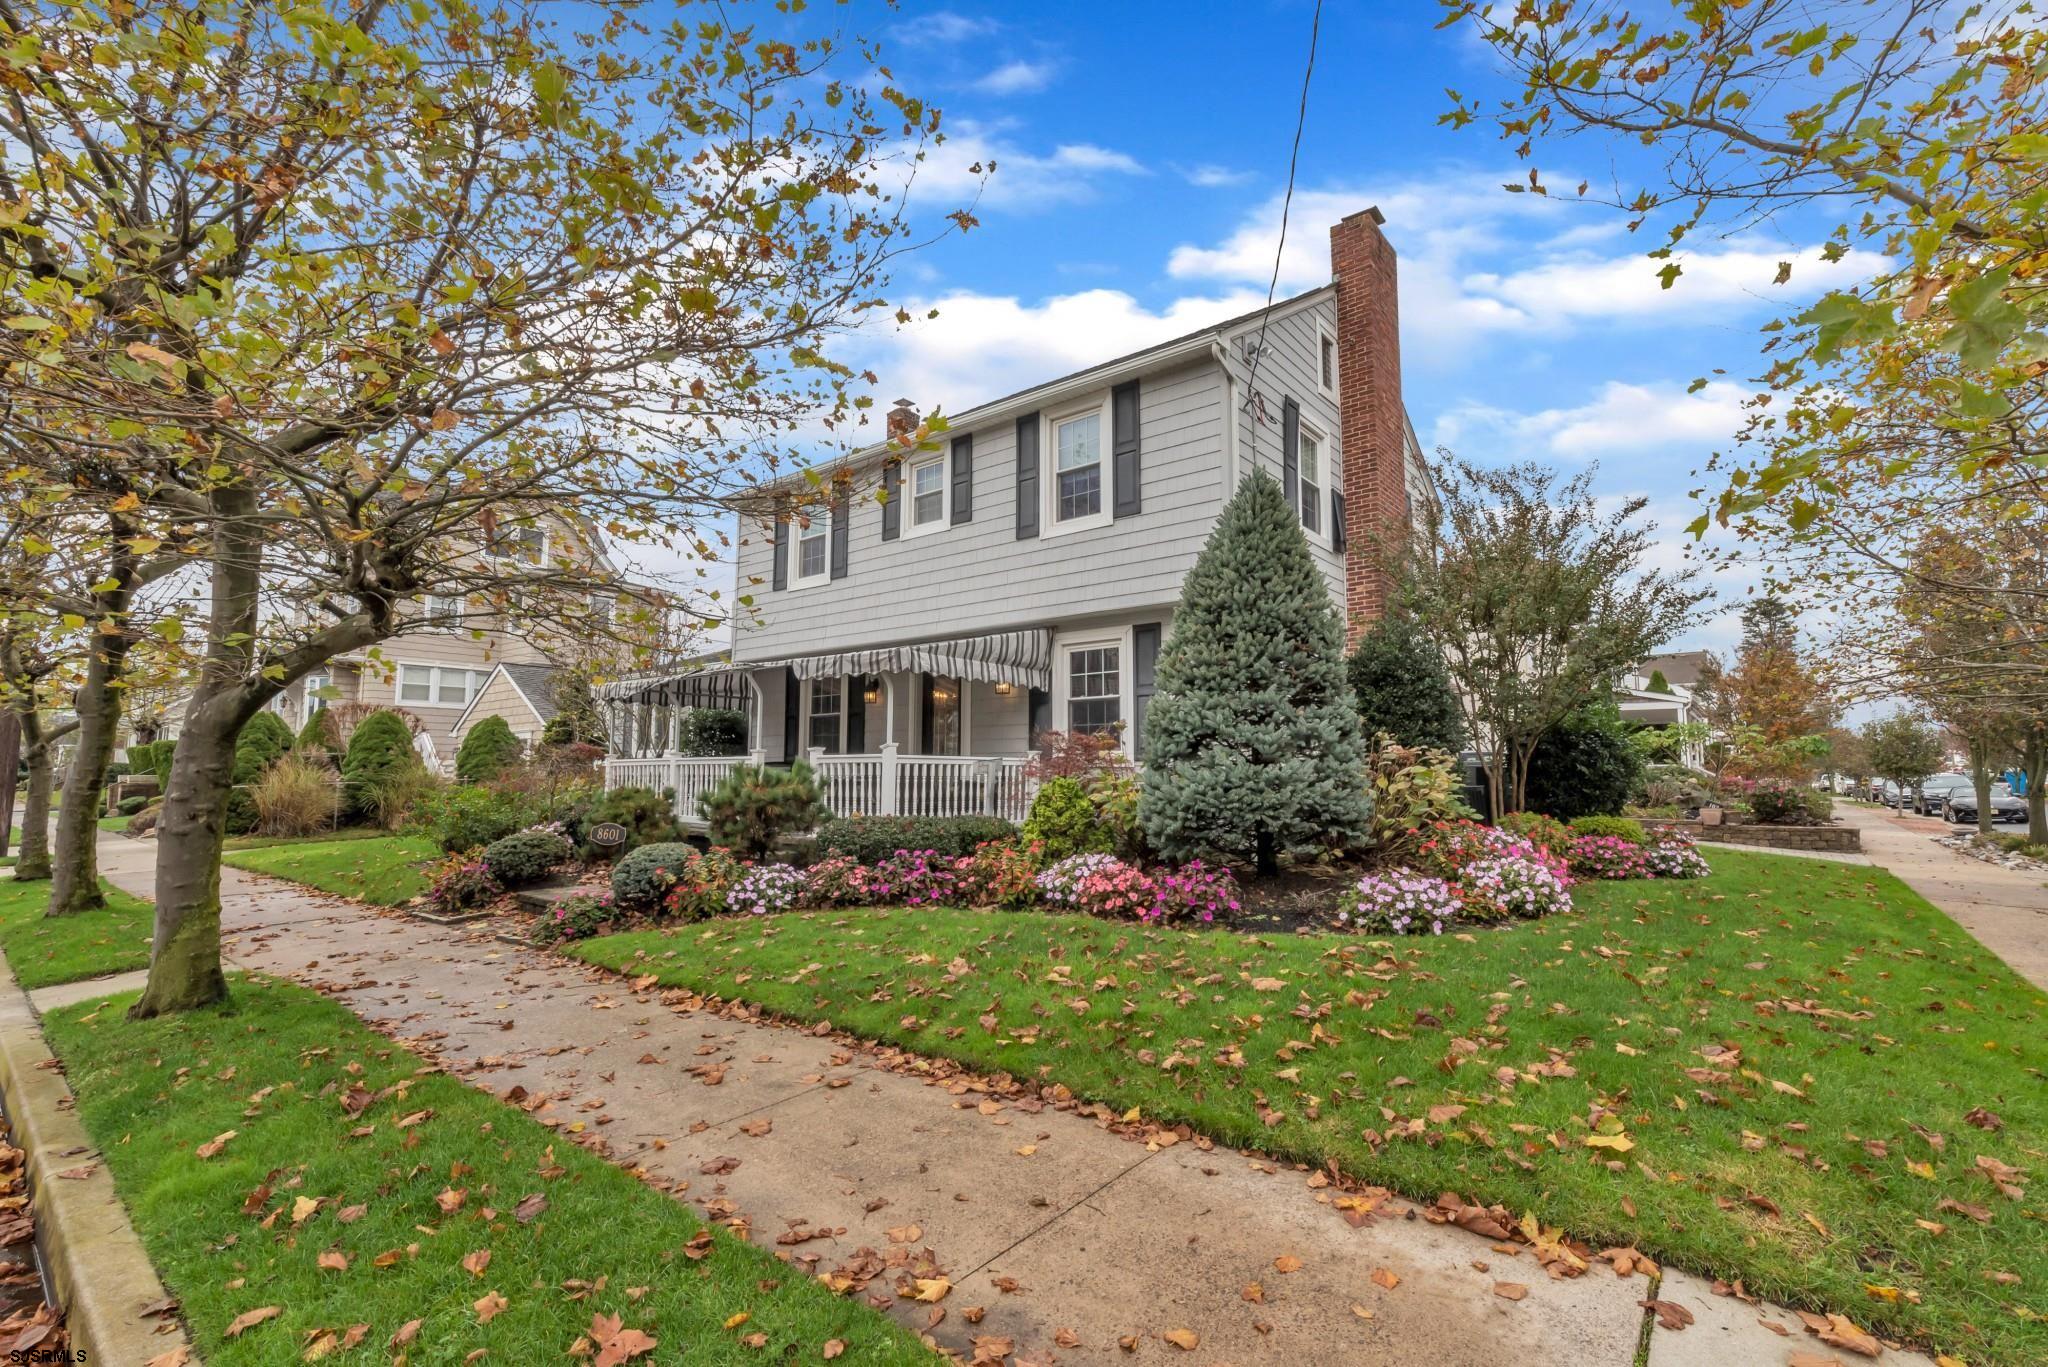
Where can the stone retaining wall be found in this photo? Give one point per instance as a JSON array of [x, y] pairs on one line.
[[1830, 839]]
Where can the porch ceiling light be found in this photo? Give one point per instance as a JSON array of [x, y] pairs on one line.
[[1005, 689]]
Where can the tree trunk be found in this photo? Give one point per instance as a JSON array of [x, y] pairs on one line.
[[2037, 785], [33, 863], [75, 869], [1980, 779], [1267, 854], [184, 961]]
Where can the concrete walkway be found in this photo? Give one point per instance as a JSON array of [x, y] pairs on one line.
[[2004, 908], [1057, 1235]]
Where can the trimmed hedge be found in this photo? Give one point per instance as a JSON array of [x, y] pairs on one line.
[[648, 816], [263, 738], [637, 880], [1621, 827], [486, 750], [526, 857], [872, 839], [379, 752]]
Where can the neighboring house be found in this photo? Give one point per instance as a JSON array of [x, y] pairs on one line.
[[1674, 705], [1023, 577], [523, 694]]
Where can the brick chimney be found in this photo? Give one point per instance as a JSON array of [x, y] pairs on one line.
[[903, 419], [1373, 424]]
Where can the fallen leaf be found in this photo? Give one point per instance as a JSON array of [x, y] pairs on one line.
[[1510, 1291], [213, 1146], [489, 1306], [1383, 1278], [249, 1319], [333, 1260], [1287, 1263], [1187, 1340], [475, 1263], [1670, 1314]]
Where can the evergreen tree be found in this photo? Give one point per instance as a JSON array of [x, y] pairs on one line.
[[1658, 683], [316, 737], [380, 755], [1403, 689], [486, 750], [1252, 742], [263, 738]]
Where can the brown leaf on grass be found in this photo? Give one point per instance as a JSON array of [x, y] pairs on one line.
[[1187, 1340], [475, 1263], [212, 1147], [249, 1319], [348, 1215], [616, 1343], [1983, 1119], [408, 1121], [333, 1260], [1981, 1214], [833, 1348], [489, 1306], [1670, 1314], [450, 1200], [1383, 1278], [1510, 1291], [407, 1332], [529, 1208]]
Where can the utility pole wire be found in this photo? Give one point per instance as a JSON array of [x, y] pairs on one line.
[[1280, 250]]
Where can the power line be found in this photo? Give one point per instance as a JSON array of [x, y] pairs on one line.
[[1286, 207]]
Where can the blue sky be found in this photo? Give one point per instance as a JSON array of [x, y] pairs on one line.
[[1141, 152]]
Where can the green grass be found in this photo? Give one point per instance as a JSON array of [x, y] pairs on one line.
[[43, 950], [346, 833], [113, 823], [384, 870], [272, 1068], [1595, 1025]]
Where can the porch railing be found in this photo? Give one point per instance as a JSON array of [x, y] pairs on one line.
[[885, 784]]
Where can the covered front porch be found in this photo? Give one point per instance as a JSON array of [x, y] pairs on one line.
[[939, 728]]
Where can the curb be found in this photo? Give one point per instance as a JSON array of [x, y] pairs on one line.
[[95, 1261]]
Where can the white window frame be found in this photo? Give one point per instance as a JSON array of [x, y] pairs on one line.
[[846, 695], [1333, 386], [911, 469], [308, 686], [432, 606], [1049, 523], [821, 527], [1063, 699], [499, 553], [1321, 531], [478, 678]]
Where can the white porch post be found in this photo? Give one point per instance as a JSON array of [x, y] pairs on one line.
[[886, 799], [889, 711]]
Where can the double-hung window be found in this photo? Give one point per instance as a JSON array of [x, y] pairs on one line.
[[311, 691], [439, 685], [927, 480], [828, 710], [444, 609], [1095, 696], [1077, 467], [525, 545], [1311, 477], [813, 547]]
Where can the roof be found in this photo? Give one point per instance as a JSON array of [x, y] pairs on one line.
[[535, 685], [1681, 667], [1023, 400]]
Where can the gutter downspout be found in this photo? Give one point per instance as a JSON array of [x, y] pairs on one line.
[[1221, 354]]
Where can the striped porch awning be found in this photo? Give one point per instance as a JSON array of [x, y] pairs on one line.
[[1012, 657], [723, 687]]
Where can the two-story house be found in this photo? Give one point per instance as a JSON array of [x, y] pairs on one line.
[[1023, 576]]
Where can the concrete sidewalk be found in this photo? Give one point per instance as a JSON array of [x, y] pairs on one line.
[[2004, 908], [1067, 1237]]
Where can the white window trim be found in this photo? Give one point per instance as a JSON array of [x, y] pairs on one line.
[[1321, 534], [398, 685], [546, 545], [1062, 679], [1049, 469], [821, 524], [911, 526], [311, 685], [1324, 334], [846, 700]]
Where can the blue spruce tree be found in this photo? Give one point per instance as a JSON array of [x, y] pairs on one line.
[[1252, 743]]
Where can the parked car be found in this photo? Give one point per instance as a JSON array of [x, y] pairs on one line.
[[1929, 796], [1961, 808]]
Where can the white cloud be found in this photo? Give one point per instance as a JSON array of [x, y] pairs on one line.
[[944, 26], [957, 168], [1208, 176], [1619, 419], [1017, 78]]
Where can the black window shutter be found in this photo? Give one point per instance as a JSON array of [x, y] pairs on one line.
[[792, 694], [855, 702], [924, 713], [1290, 454], [1144, 673], [780, 532], [1027, 477], [1124, 474], [892, 502], [842, 527], [1041, 716], [963, 478], [1338, 540]]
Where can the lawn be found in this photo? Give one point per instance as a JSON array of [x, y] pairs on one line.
[[1774, 1073], [385, 870], [43, 950], [279, 1156]]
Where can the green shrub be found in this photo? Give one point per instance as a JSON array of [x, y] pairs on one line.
[[1775, 802], [129, 806], [1547, 831], [1413, 788], [644, 876], [119, 769], [525, 857], [649, 818], [379, 764], [1621, 827], [1062, 819], [1398, 677], [316, 736], [751, 809], [263, 740], [487, 748], [462, 817], [714, 731], [153, 758], [1585, 766], [871, 839]]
